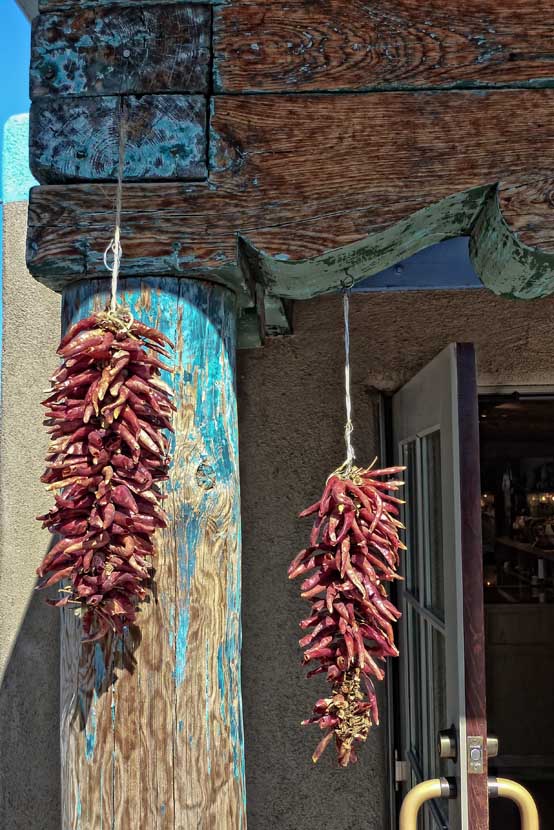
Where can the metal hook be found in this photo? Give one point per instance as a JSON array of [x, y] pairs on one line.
[[347, 283]]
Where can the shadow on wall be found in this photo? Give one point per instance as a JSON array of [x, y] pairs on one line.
[[30, 725], [291, 416]]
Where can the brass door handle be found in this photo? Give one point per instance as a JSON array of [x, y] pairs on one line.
[[442, 788], [504, 788], [416, 798]]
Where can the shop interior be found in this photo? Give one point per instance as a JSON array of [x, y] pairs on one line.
[[517, 508]]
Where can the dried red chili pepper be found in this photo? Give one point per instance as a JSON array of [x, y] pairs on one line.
[[107, 412], [354, 549]]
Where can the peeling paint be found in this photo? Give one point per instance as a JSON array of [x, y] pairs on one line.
[[85, 52], [171, 626], [90, 729], [182, 644], [302, 279]]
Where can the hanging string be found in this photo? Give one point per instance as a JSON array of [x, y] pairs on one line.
[[349, 427], [114, 246]]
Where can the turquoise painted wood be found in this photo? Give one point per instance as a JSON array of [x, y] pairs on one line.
[[152, 726], [77, 139], [55, 5], [109, 49]]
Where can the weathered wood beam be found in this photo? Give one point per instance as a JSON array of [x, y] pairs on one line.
[[382, 44], [152, 727], [77, 139], [103, 49], [55, 5], [300, 176]]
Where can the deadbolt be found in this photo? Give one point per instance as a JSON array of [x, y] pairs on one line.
[[492, 746], [448, 744]]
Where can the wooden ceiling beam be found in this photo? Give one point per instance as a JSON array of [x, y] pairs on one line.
[[333, 45], [298, 177]]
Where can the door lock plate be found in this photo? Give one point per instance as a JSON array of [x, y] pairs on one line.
[[475, 755]]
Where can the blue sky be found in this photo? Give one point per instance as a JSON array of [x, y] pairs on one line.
[[15, 33]]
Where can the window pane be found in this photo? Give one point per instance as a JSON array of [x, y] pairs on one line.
[[432, 501], [409, 518], [438, 714], [415, 683]]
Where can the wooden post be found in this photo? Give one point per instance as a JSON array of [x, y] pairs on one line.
[[152, 726]]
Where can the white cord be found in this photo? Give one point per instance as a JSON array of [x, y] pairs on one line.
[[114, 245], [349, 428]]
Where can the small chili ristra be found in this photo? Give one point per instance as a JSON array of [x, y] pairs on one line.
[[353, 552]]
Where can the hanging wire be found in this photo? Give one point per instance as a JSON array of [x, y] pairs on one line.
[[349, 427], [114, 249]]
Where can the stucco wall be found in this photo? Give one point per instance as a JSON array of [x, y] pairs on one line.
[[29, 653], [291, 419]]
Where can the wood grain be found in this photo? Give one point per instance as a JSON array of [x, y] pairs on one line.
[[389, 44], [77, 139], [145, 693], [528, 208], [209, 743], [106, 50], [300, 176], [152, 726], [472, 576]]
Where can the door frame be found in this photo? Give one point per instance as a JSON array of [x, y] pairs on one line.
[[472, 581]]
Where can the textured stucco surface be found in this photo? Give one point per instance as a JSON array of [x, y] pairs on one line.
[[291, 420], [29, 653], [17, 179], [290, 423]]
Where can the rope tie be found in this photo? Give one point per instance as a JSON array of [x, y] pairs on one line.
[[349, 426], [114, 249]]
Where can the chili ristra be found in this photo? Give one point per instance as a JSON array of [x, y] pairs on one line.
[[107, 412], [353, 552]]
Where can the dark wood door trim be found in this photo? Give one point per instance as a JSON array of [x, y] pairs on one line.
[[472, 575]]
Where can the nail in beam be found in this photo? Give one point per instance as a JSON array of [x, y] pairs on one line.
[[151, 726]]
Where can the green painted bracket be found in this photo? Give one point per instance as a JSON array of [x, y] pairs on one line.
[[504, 264]]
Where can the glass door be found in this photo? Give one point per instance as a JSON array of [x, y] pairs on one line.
[[442, 629], [423, 629]]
